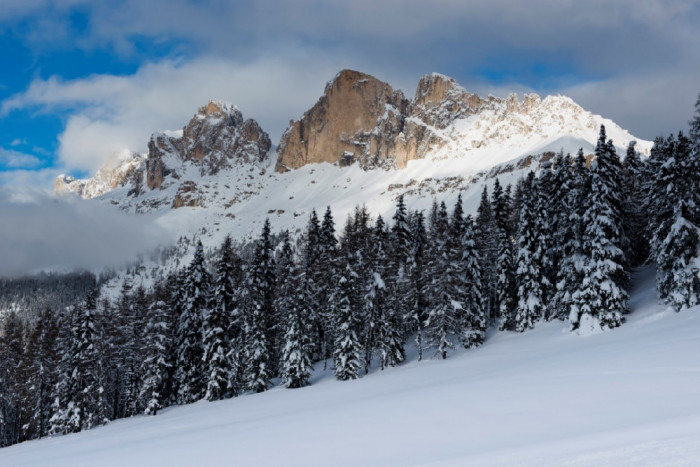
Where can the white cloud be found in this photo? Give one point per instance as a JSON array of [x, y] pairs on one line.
[[40, 232], [110, 113], [12, 159]]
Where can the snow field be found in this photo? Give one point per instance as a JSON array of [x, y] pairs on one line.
[[630, 396]]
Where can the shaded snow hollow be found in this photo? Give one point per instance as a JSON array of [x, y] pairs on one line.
[[545, 397]]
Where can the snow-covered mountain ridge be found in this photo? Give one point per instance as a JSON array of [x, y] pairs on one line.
[[362, 143]]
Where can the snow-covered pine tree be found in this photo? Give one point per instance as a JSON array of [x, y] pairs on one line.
[[529, 274], [673, 213], [327, 265], [79, 403], [507, 296], [442, 296], [601, 300], [374, 293], [397, 279], [473, 313], [131, 325], [569, 235], [634, 217], [292, 304], [44, 364], [675, 258], [189, 366], [261, 325], [559, 209], [400, 234], [155, 367], [388, 332], [313, 280], [347, 351], [220, 320], [417, 303], [485, 238], [546, 219], [500, 202]]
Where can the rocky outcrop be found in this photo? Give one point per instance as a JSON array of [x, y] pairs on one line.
[[361, 119], [439, 101], [216, 138], [357, 118], [186, 195], [118, 172]]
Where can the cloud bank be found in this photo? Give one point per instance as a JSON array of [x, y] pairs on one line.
[[39, 232]]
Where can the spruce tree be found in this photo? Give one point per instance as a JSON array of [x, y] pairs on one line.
[[292, 304], [505, 285], [601, 301], [485, 238], [347, 349], [79, 404], [44, 365], [441, 292], [219, 358], [417, 302], [546, 211], [674, 216], [474, 312], [569, 235], [190, 351], [313, 282], [695, 126], [327, 266], [529, 274], [389, 332], [634, 218], [12, 410], [156, 363], [261, 325]]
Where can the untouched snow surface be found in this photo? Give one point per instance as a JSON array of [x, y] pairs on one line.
[[630, 396]]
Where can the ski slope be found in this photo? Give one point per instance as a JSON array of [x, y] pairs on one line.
[[545, 397]]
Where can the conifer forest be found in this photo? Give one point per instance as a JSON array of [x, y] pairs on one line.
[[557, 245]]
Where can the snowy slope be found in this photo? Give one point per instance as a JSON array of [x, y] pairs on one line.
[[545, 397]]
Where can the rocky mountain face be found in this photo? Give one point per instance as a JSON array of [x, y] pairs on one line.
[[217, 138], [452, 137], [361, 119]]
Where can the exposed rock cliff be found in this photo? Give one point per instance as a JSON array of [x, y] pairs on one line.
[[361, 119], [357, 118], [216, 138]]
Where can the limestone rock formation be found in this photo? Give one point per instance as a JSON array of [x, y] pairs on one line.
[[361, 119], [357, 118], [216, 138]]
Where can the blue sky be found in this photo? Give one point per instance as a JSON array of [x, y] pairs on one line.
[[83, 80]]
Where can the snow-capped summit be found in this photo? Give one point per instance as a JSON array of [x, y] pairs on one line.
[[117, 172], [443, 141], [362, 119]]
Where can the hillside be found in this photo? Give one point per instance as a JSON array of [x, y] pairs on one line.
[[545, 397]]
